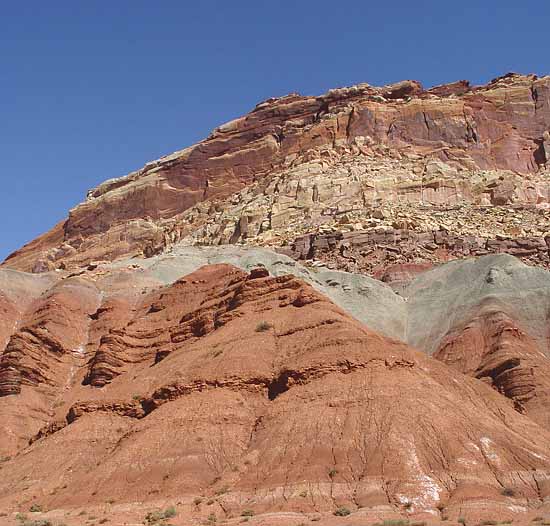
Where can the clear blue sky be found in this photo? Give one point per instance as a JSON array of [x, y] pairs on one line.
[[93, 90]]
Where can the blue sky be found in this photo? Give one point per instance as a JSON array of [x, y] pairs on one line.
[[93, 90]]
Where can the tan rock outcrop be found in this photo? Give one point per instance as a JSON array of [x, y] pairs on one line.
[[300, 160]]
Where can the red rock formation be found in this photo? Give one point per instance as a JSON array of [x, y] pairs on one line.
[[372, 252], [493, 348], [257, 393]]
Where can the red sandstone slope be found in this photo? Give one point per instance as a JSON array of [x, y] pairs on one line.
[[493, 348], [254, 392], [501, 126]]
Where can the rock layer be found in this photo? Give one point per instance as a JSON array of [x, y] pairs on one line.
[[259, 393], [299, 162]]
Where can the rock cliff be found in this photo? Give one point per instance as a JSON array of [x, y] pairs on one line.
[[358, 158], [335, 305]]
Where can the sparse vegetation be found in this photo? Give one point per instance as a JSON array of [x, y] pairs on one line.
[[393, 522], [263, 326], [222, 490], [212, 519], [154, 517], [342, 511]]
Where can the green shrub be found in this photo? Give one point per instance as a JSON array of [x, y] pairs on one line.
[[170, 512], [342, 511], [263, 326], [156, 516]]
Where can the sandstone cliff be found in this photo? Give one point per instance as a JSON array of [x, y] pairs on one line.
[[359, 158]]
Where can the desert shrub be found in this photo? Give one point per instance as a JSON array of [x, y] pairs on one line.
[[197, 501], [342, 511], [418, 523], [156, 516], [461, 520], [222, 490], [263, 326], [212, 518], [508, 492], [332, 473], [247, 513], [395, 522], [35, 508], [489, 523]]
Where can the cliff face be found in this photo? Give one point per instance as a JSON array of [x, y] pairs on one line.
[[144, 369], [297, 163]]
